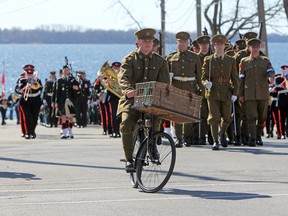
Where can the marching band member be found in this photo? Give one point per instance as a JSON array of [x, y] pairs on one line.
[[283, 102], [66, 92], [30, 87], [113, 101], [82, 99], [47, 98]]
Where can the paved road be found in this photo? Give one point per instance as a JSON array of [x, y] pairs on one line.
[[84, 176]]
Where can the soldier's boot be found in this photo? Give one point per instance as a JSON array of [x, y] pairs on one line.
[[223, 140], [210, 137], [259, 131], [214, 132], [202, 141], [215, 146], [252, 142], [179, 143], [238, 141]]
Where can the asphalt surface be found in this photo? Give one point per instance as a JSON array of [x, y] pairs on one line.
[[84, 176]]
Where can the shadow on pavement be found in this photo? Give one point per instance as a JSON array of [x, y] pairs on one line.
[[256, 151], [210, 178], [15, 175], [215, 194]]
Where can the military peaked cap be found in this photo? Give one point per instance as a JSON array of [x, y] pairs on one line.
[[241, 43], [116, 64], [182, 35], [250, 35], [254, 42], [203, 39], [219, 39], [145, 34], [29, 68]]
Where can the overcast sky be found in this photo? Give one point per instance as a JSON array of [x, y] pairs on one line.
[[99, 14]]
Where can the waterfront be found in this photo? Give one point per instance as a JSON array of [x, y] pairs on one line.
[[88, 57]]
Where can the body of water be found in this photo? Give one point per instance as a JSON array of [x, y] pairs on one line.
[[88, 57]]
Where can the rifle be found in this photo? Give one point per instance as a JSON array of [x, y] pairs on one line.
[[240, 35], [161, 45], [205, 32], [260, 30]]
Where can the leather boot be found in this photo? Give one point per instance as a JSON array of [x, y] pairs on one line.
[[223, 140]]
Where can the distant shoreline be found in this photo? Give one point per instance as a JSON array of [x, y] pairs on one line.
[[41, 36]]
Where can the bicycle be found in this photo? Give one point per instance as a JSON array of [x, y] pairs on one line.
[[154, 156]]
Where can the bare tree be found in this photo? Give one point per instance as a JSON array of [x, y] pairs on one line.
[[129, 14], [238, 17], [285, 2]]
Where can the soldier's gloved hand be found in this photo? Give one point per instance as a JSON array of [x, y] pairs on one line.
[[234, 98], [208, 85], [44, 102]]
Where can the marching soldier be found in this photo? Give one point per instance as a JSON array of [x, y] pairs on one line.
[[113, 101], [240, 109], [186, 68], [255, 70], [195, 46], [66, 93], [47, 98], [141, 65], [156, 46], [273, 116], [82, 99], [219, 77], [205, 50], [103, 108], [3, 108], [239, 45], [30, 87], [283, 102]]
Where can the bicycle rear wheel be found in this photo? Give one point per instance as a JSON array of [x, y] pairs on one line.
[[154, 172]]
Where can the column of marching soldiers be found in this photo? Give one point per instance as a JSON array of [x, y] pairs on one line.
[[211, 67]]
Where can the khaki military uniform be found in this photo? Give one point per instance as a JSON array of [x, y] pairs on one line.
[[186, 68], [240, 108], [204, 127], [254, 88], [225, 83], [137, 68]]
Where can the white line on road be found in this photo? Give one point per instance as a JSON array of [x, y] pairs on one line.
[[141, 199]]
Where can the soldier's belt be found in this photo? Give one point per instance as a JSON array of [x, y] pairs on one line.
[[274, 99], [184, 79], [49, 94], [34, 95], [221, 80]]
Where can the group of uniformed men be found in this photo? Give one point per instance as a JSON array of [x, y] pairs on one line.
[[62, 100], [234, 83]]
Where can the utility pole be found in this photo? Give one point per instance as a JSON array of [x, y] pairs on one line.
[[198, 18], [263, 33], [163, 34]]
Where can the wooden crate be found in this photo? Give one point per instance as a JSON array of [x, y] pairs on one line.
[[168, 102]]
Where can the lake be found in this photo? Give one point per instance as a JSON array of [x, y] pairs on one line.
[[88, 57]]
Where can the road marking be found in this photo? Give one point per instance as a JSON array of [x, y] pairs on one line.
[[144, 199]]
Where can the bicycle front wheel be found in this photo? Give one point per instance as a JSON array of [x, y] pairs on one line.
[[138, 139], [155, 162]]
